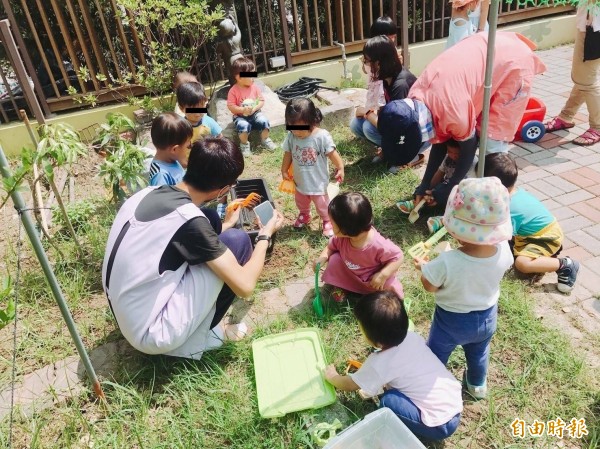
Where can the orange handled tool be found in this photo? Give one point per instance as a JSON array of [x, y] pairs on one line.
[[250, 200]]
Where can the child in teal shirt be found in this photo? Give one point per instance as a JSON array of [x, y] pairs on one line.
[[537, 236]]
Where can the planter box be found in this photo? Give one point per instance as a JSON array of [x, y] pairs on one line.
[[247, 219]]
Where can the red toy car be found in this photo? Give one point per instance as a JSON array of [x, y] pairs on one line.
[[531, 129]]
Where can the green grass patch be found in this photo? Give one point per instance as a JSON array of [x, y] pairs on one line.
[[162, 402]]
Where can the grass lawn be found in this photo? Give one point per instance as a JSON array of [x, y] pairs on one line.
[[161, 402]]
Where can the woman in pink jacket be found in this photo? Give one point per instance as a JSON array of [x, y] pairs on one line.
[[448, 100]]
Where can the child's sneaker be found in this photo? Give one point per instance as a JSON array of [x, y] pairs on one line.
[[567, 275], [327, 229], [338, 294], [245, 147], [222, 210], [405, 207], [434, 224], [301, 221], [269, 144], [477, 392]]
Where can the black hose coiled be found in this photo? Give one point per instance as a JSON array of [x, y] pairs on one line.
[[304, 87]]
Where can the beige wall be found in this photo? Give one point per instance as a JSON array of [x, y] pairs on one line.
[[546, 33]]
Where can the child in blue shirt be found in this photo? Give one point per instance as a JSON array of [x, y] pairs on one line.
[[537, 236], [172, 137], [191, 95]]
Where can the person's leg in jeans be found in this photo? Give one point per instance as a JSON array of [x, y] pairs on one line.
[[477, 353], [213, 218], [240, 245], [440, 341], [243, 128], [410, 415], [361, 127]]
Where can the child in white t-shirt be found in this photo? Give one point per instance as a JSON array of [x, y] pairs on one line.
[[419, 389], [308, 149], [478, 216]]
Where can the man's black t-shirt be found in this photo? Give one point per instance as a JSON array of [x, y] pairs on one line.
[[194, 242]]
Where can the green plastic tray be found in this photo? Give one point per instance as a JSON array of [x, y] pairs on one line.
[[288, 369]]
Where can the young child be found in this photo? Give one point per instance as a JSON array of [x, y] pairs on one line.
[[468, 17], [359, 259], [180, 78], [419, 389], [443, 175], [466, 281], [172, 137], [537, 236], [245, 100], [191, 95], [308, 151]]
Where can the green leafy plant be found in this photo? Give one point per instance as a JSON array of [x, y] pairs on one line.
[[7, 296], [175, 29], [122, 170], [117, 127], [79, 214]]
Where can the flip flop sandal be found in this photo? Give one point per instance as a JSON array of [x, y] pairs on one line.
[[412, 164], [556, 124], [590, 137], [406, 207]]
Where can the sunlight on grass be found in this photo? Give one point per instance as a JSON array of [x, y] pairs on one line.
[[161, 402]]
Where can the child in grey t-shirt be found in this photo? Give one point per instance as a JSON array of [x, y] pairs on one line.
[[308, 149]]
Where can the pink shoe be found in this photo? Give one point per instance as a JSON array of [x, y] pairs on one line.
[[327, 229], [301, 221]]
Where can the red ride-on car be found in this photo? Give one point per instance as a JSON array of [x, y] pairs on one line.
[[531, 129]]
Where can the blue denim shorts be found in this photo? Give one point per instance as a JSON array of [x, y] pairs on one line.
[[256, 121]]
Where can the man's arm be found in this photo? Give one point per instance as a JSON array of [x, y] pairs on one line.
[[242, 279]]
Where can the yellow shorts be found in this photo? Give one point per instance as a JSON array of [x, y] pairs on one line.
[[546, 242]]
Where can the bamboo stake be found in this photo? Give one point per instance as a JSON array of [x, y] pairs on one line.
[[50, 276], [36, 173]]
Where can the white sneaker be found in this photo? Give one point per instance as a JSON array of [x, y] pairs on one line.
[[269, 144], [478, 392], [245, 147]]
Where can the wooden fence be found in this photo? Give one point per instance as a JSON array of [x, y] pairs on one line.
[[57, 38]]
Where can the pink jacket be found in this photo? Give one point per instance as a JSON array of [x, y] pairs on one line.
[[452, 87]]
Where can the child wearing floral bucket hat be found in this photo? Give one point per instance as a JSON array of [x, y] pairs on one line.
[[478, 216]]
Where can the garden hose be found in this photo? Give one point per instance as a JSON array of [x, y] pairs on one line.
[[304, 87]]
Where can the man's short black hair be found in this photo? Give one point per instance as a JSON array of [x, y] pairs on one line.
[[169, 129], [383, 318], [503, 167], [190, 95], [214, 163], [352, 213]]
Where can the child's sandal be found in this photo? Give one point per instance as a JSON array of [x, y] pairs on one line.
[[405, 207], [434, 224], [338, 294]]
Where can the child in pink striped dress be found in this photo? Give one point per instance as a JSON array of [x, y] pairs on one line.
[[359, 259]]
